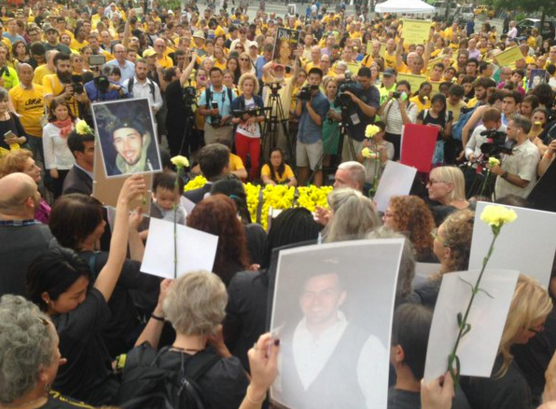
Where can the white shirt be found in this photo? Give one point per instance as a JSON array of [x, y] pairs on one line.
[[310, 355], [144, 91], [57, 155], [522, 163], [393, 116]]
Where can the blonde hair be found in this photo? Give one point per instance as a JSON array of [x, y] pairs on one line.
[[454, 176], [354, 215], [457, 231], [14, 161], [195, 303], [530, 303], [249, 76]]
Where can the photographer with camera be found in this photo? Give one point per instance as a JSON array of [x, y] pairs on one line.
[[360, 102], [312, 107], [62, 88], [518, 171], [216, 105], [102, 89], [248, 115]]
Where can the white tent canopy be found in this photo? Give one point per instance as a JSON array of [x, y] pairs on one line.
[[405, 6]]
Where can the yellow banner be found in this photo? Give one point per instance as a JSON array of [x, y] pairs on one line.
[[431, 63], [370, 48], [382, 50], [414, 80], [416, 31], [508, 57]]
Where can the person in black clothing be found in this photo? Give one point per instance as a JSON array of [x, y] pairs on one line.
[[29, 357], [60, 283]]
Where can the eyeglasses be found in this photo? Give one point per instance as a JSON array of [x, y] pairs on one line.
[[436, 236], [244, 59]]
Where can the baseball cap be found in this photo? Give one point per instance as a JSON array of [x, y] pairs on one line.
[[390, 72], [149, 52]]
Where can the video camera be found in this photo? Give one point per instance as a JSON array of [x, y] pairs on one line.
[[189, 96], [306, 92], [274, 87], [102, 84], [349, 85], [496, 144], [251, 112]]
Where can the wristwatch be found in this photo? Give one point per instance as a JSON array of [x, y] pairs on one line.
[[505, 175]]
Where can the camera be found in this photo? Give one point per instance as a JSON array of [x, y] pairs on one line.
[[189, 96], [241, 113], [496, 144], [102, 84], [396, 94], [77, 84], [215, 119], [274, 87], [349, 85], [306, 92]]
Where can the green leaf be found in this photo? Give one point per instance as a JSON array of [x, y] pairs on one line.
[[466, 329], [460, 319], [467, 282], [486, 292]]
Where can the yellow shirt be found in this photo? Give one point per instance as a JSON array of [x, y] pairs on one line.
[[389, 60], [235, 163], [52, 86], [39, 74], [286, 176], [420, 105], [472, 102], [29, 103], [76, 45], [220, 65], [166, 62]]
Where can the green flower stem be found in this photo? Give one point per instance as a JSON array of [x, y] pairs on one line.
[[485, 183], [463, 326]]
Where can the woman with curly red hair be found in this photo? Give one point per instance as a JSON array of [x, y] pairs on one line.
[[217, 214], [411, 216]]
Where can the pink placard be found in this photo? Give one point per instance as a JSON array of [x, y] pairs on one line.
[[418, 143]]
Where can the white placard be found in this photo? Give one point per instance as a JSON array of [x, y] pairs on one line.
[[479, 347], [344, 292], [187, 204], [196, 249], [396, 180], [527, 245]]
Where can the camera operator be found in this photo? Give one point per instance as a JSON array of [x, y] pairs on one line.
[[312, 107], [518, 171], [216, 105], [102, 89], [365, 99], [492, 121], [61, 87]]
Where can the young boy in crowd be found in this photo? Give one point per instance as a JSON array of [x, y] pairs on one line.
[[165, 198]]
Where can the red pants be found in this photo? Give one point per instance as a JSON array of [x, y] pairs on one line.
[[251, 146]]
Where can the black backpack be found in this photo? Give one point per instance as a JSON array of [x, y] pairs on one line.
[[147, 386]]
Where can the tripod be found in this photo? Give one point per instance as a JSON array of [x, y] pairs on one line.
[[275, 113], [189, 133]]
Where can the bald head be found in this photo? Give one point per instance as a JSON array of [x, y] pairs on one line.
[[15, 191]]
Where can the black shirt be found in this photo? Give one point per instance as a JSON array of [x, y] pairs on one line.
[[358, 121]]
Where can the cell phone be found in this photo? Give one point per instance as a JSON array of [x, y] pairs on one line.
[[97, 59], [214, 105], [9, 135]]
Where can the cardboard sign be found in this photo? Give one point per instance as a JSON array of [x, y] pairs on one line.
[[418, 144], [351, 279], [527, 245], [396, 180], [414, 80], [479, 347], [416, 31], [509, 56]]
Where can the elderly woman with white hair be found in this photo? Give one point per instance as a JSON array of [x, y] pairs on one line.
[[195, 306], [29, 355], [446, 186]]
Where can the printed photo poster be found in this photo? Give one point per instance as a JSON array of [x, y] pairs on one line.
[[286, 42], [478, 349], [341, 296], [127, 136], [537, 77]]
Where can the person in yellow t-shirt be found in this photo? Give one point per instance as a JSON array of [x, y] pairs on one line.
[[79, 41], [237, 167], [422, 99], [28, 103], [276, 172], [161, 57], [390, 56]]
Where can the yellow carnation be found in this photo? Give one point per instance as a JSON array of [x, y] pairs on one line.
[[497, 216], [82, 128], [368, 153], [493, 162], [371, 131], [180, 161], [196, 183]]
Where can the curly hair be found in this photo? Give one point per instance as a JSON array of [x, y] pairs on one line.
[[14, 161], [27, 343], [414, 218], [249, 76], [456, 235], [217, 215]]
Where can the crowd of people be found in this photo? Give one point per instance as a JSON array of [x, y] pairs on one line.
[[80, 324]]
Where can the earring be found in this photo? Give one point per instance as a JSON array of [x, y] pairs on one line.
[[47, 388]]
